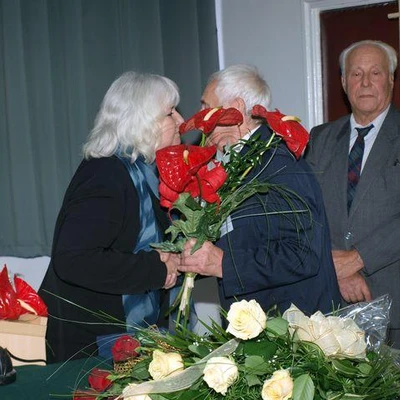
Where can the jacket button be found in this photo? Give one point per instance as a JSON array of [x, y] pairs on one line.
[[348, 235]]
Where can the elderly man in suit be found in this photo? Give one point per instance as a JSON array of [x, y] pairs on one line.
[[281, 259], [356, 160]]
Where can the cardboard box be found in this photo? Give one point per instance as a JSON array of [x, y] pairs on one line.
[[25, 338]]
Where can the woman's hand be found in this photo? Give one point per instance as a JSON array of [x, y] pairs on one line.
[[171, 261]]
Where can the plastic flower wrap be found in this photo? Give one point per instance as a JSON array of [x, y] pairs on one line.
[[274, 364]]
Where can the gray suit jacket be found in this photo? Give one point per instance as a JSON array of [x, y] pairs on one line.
[[373, 223]]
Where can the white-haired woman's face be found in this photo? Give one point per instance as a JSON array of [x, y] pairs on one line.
[[170, 128]]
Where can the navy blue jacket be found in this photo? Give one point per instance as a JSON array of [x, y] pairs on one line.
[[280, 259]]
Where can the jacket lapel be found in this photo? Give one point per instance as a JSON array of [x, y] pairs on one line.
[[338, 165], [380, 154]]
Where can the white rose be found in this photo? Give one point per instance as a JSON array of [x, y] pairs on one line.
[[315, 329], [220, 373], [125, 395], [337, 337], [278, 387], [323, 334], [246, 319], [350, 337], [165, 364]]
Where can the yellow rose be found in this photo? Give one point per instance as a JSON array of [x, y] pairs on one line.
[[125, 396], [246, 319], [165, 364], [336, 336], [220, 373], [278, 387]]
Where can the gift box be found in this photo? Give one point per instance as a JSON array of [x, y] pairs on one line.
[[25, 338]]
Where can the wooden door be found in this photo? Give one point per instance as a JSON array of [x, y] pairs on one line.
[[340, 28]]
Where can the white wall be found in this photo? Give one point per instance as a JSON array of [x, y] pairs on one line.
[[270, 35], [32, 270]]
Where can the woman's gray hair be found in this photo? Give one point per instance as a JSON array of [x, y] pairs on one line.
[[390, 52], [129, 117], [244, 81]]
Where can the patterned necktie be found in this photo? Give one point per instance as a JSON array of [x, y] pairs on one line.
[[355, 160]]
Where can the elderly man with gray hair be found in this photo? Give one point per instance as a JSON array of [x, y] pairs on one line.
[[356, 161], [267, 252]]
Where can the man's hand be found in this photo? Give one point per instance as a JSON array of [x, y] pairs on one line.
[[347, 262], [354, 288], [205, 261]]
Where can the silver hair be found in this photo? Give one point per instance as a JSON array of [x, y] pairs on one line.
[[130, 115], [390, 52], [244, 81]]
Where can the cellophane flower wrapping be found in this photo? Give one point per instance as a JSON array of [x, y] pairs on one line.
[[373, 317]]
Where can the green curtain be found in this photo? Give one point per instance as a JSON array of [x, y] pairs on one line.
[[57, 59]]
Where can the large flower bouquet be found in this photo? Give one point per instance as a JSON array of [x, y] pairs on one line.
[[204, 189], [257, 357]]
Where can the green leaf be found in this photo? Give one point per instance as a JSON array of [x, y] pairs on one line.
[[201, 351], [277, 325], [192, 395], [265, 347], [303, 388], [256, 365], [252, 380], [333, 395], [140, 370], [345, 367], [364, 369]]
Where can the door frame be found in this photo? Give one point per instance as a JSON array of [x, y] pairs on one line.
[[312, 37]]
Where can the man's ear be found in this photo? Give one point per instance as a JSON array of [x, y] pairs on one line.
[[239, 104], [344, 83]]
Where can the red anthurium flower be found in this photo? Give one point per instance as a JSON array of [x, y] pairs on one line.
[[207, 182], [98, 379], [206, 120], [125, 348], [31, 301], [292, 132], [10, 308], [167, 195], [177, 164]]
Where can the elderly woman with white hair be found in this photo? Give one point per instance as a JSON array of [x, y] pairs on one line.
[[102, 261]]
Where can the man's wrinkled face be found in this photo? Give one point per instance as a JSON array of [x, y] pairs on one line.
[[222, 135], [368, 82]]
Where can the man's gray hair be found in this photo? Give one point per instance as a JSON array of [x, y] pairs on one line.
[[244, 81], [129, 117], [390, 52]]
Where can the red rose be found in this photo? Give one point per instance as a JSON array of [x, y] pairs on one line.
[[124, 348], [98, 379]]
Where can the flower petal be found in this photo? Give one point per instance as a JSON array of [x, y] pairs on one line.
[[289, 128], [206, 120]]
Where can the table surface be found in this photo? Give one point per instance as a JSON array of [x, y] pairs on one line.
[[53, 381]]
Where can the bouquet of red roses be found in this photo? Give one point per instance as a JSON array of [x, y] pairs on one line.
[[204, 190]]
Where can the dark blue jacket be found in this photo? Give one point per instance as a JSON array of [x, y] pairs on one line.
[[280, 259]]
